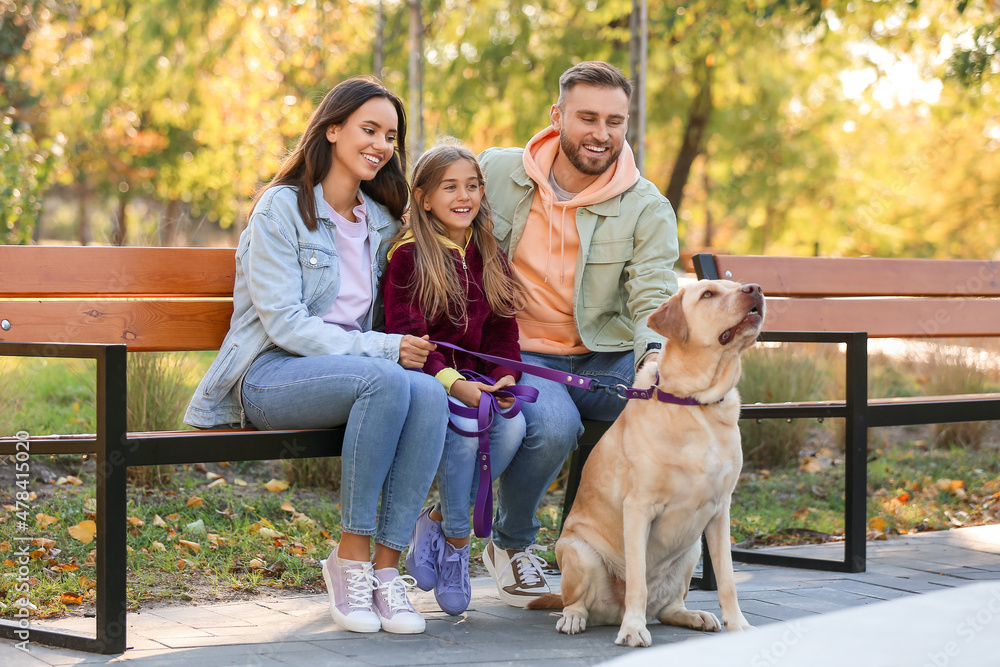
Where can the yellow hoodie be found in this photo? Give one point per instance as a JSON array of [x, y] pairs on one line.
[[545, 259]]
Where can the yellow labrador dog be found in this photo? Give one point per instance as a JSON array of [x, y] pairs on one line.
[[663, 474]]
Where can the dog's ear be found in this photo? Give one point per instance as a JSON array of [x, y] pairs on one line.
[[668, 320]]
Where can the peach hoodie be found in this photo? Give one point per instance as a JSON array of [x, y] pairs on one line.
[[545, 259]]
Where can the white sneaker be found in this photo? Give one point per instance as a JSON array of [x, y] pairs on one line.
[[518, 574], [392, 604], [350, 585]]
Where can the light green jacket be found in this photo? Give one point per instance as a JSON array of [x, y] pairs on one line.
[[628, 248]]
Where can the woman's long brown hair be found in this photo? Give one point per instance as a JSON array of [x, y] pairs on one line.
[[435, 283], [310, 160]]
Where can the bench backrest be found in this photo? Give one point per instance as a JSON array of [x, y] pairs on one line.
[[897, 298], [148, 298]]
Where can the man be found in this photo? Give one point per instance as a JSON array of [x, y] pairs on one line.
[[593, 245]]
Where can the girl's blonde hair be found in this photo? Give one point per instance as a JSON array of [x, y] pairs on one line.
[[435, 283]]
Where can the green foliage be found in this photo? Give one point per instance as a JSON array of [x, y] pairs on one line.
[[25, 169], [158, 391], [777, 375]]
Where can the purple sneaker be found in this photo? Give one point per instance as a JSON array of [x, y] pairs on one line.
[[393, 606], [453, 590], [351, 600], [425, 549]]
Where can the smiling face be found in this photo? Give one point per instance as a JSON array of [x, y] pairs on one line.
[[591, 121], [364, 143], [456, 199]]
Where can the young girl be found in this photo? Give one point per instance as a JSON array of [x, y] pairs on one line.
[[447, 278], [301, 352]]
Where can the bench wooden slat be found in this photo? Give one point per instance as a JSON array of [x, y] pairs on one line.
[[886, 318], [863, 276], [54, 271], [141, 325]]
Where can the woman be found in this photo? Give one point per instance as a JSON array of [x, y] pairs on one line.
[[301, 352]]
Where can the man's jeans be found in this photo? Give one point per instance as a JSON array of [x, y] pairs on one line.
[[553, 427], [395, 425]]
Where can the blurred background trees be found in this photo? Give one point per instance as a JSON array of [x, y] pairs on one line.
[[775, 126]]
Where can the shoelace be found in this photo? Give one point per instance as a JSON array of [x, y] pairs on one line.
[[427, 549], [360, 584], [529, 566], [395, 593], [452, 570]]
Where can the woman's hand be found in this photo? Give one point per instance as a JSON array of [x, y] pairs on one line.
[[469, 392], [505, 381], [413, 351]]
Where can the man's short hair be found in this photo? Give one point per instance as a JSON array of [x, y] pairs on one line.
[[594, 72]]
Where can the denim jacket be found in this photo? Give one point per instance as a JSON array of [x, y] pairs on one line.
[[628, 248], [286, 278]]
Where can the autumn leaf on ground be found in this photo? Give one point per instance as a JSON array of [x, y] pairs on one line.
[[271, 534], [158, 521], [75, 481], [66, 567], [173, 517], [212, 475], [801, 514], [810, 464], [257, 563], [43, 542], [276, 485], [240, 482], [877, 524], [287, 506], [195, 501], [83, 531], [44, 520], [196, 526], [87, 583], [157, 546], [136, 521], [183, 563], [190, 546], [219, 482], [71, 598]]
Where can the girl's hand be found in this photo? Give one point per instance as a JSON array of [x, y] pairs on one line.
[[505, 381], [413, 351], [469, 392]]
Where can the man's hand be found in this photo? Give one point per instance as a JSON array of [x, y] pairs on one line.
[[413, 351]]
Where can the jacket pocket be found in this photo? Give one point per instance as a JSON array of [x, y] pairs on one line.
[[218, 381], [604, 274], [610, 252], [501, 229], [316, 262]]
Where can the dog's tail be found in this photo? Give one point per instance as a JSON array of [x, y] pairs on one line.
[[547, 601]]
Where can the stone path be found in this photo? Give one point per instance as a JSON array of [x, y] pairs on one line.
[[906, 576]]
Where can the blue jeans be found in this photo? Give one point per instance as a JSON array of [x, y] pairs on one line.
[[554, 424], [395, 421], [458, 475]]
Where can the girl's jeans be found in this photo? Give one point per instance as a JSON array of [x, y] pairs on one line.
[[395, 421], [458, 476], [554, 424]]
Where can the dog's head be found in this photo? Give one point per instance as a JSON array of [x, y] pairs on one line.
[[711, 312], [708, 325]]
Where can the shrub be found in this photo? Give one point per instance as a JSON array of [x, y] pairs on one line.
[[957, 369], [158, 392], [324, 472], [777, 375]]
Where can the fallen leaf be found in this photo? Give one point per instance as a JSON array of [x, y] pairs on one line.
[[173, 517], [36, 554], [256, 563], [287, 506], [212, 475], [801, 514], [219, 482], [83, 531], [43, 542], [157, 546], [195, 501], [183, 563], [200, 467], [270, 534], [196, 526], [240, 482], [71, 598], [60, 481], [810, 465], [190, 546], [75, 481], [276, 485], [158, 521], [44, 520], [877, 524], [66, 567], [136, 521], [223, 464], [87, 583]]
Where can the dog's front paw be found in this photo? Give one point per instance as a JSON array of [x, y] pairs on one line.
[[633, 634], [571, 623], [738, 624]]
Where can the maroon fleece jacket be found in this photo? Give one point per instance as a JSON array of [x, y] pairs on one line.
[[485, 332]]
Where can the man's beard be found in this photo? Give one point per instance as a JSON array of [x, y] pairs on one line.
[[585, 164]]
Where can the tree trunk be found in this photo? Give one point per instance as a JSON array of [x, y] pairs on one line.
[[416, 112], [170, 223], [85, 232], [694, 138], [638, 50], [119, 230], [706, 240], [379, 58]]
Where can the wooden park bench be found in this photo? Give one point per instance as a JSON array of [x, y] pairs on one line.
[[100, 303], [848, 301]]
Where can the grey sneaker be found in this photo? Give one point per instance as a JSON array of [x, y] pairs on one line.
[[517, 573], [393, 606], [351, 599]]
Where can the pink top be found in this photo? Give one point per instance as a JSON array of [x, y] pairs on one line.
[[350, 308]]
